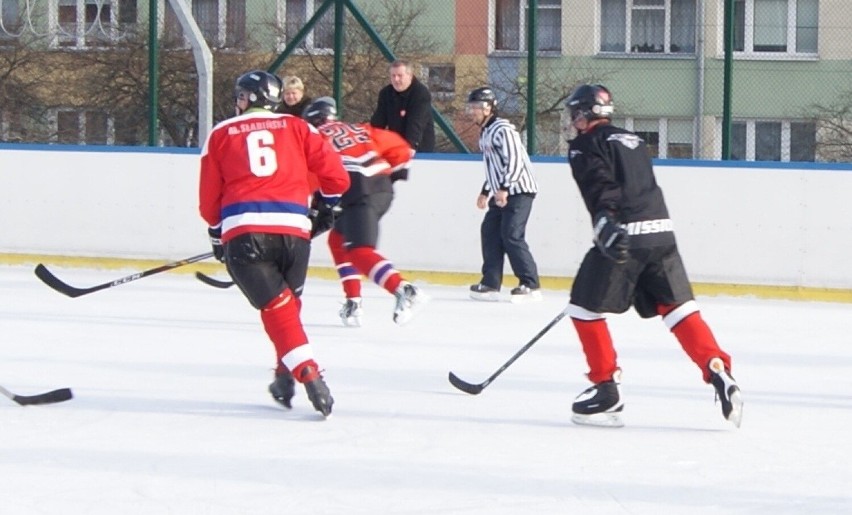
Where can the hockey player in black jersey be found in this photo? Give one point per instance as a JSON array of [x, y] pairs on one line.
[[634, 261]]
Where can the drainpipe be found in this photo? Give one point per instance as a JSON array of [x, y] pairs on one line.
[[698, 133]]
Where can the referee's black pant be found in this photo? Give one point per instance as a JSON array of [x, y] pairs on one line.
[[503, 233]]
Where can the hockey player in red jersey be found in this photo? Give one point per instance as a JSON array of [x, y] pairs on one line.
[[375, 159], [634, 261], [254, 193]]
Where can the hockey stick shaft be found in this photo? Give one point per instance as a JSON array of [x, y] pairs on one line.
[[475, 389], [60, 395], [64, 288]]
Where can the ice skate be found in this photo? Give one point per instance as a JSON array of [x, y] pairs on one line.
[[351, 312], [485, 293], [317, 390], [599, 405], [524, 293], [727, 391], [283, 388], [409, 300]]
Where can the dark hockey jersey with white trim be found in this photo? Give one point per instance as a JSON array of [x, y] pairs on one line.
[[613, 171]]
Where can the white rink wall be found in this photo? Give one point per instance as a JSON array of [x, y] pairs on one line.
[[740, 223]]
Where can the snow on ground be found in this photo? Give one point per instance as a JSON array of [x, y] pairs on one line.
[[171, 413]]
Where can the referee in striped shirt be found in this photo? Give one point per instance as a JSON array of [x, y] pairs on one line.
[[508, 193]]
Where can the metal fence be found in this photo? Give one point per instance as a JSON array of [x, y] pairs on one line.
[[80, 71]]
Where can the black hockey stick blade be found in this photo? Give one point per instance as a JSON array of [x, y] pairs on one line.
[[473, 389], [54, 282], [211, 281], [64, 288], [52, 397]]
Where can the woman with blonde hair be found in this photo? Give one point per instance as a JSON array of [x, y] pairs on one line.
[[295, 100]]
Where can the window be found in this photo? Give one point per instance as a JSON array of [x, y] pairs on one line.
[[89, 23], [10, 19], [776, 26], [510, 25], [296, 16], [221, 22], [442, 81], [772, 140], [81, 127], [666, 138], [647, 26]]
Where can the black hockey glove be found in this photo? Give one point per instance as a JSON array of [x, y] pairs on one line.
[[610, 237], [322, 215], [215, 234]]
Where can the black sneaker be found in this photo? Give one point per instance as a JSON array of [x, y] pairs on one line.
[[487, 293], [727, 391], [318, 392], [283, 388], [524, 293], [599, 404]]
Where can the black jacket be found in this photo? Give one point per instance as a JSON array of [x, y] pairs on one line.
[[408, 113], [295, 109]]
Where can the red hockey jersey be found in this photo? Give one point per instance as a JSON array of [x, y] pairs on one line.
[[258, 171], [370, 155]]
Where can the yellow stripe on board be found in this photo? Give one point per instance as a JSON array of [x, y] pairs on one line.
[[441, 278]]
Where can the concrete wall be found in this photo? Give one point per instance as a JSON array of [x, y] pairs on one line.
[[742, 224]]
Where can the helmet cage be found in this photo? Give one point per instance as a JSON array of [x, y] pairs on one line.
[[591, 102]]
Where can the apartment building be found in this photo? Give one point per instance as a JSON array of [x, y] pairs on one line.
[[663, 59]]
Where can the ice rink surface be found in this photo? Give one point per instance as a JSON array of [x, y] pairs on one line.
[[171, 413]]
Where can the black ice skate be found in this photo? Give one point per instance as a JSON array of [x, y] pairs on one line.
[[524, 293], [727, 391], [409, 299], [318, 392], [283, 388], [599, 405], [486, 293], [351, 312]]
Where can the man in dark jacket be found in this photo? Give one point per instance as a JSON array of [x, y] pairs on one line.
[[405, 107]]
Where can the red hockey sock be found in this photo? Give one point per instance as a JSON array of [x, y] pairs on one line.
[[694, 335], [282, 323], [299, 371], [376, 267], [350, 278], [597, 345]]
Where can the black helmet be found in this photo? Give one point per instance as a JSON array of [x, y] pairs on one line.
[[591, 101], [483, 94], [261, 89], [320, 111]]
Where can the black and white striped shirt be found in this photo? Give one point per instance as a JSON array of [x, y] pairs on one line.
[[507, 164]]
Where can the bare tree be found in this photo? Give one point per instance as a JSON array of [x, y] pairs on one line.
[[117, 80], [834, 129], [365, 68], [24, 89]]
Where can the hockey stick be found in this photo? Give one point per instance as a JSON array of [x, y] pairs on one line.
[[54, 282], [62, 394], [216, 283], [475, 389]]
